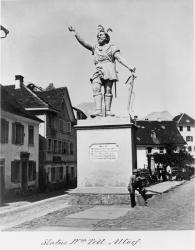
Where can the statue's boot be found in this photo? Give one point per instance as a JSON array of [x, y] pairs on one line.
[[108, 102], [98, 105]]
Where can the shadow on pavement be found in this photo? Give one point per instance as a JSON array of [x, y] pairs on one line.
[[36, 197]]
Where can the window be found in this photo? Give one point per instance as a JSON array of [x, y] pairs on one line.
[[2, 172], [57, 159], [56, 174], [30, 135], [180, 128], [32, 171], [59, 147], [55, 147], [189, 138], [161, 150], [2, 163], [17, 133], [4, 131], [71, 148], [188, 128], [149, 150], [56, 124], [68, 127], [65, 148], [15, 171], [61, 125], [53, 170], [72, 172], [49, 145], [64, 126], [189, 148], [61, 173]]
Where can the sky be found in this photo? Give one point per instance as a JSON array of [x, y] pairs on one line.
[[154, 36]]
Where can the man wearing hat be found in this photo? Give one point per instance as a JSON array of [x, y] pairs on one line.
[[105, 56], [135, 183]]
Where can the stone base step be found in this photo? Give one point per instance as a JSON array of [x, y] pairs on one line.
[[103, 199]]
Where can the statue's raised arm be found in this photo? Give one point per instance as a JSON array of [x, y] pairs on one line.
[[84, 43], [105, 54]]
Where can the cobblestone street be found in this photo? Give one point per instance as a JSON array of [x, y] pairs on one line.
[[169, 211]]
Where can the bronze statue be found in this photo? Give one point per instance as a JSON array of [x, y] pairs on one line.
[[105, 56]]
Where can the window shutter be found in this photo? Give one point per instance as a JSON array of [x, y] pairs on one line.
[[19, 171], [34, 170], [30, 135], [68, 127], [15, 171], [22, 134], [12, 171], [6, 131], [13, 133]]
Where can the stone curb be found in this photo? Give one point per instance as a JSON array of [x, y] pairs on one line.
[[167, 190]]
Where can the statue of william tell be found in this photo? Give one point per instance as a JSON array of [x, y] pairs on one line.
[[105, 56]]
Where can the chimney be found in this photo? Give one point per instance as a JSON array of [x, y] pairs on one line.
[[135, 119], [19, 80]]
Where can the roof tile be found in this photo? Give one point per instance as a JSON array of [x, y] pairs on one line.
[[25, 97], [158, 133], [10, 104]]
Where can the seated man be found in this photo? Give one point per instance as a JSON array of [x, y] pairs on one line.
[[135, 183]]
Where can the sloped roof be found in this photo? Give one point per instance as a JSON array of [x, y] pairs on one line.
[[184, 119], [25, 97], [158, 133], [87, 108], [50, 99], [9, 103], [80, 113], [54, 98], [159, 116]]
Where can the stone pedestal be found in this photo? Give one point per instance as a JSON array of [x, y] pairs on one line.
[[106, 152]]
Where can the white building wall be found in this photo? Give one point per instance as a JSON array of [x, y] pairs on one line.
[[186, 133], [141, 157], [142, 161], [42, 126], [11, 152]]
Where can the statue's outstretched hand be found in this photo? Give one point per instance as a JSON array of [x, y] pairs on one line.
[[133, 70], [71, 29]]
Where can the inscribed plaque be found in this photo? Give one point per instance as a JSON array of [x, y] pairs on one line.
[[104, 151]]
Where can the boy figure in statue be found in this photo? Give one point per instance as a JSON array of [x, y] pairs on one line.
[[105, 56]]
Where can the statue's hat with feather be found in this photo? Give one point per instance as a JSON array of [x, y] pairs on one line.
[[102, 29]]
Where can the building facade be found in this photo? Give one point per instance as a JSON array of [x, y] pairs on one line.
[[155, 137], [19, 142], [57, 136], [186, 127], [58, 159]]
